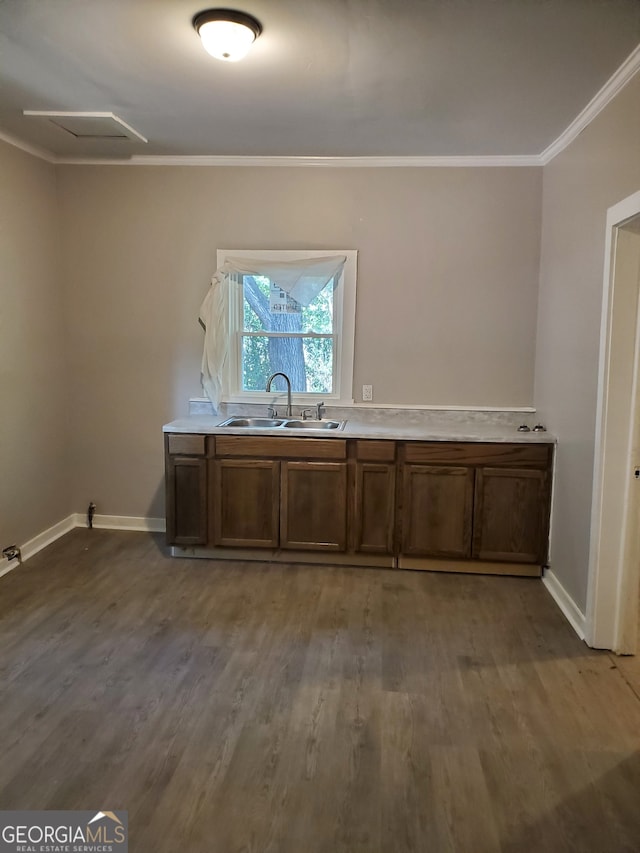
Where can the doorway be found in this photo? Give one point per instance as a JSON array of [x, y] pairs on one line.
[[613, 603]]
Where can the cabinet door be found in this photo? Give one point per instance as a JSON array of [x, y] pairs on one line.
[[186, 494], [313, 514], [246, 502], [374, 507], [437, 511], [510, 515]]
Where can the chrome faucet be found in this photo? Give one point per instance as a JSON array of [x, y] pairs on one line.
[[288, 381]]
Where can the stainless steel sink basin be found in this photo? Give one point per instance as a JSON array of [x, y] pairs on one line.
[[313, 424], [252, 423], [237, 421]]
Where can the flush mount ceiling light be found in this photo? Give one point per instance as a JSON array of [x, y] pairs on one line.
[[226, 34]]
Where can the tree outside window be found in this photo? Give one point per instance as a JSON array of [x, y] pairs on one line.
[[311, 341], [279, 334]]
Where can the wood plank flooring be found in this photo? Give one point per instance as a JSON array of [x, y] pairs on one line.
[[256, 708]]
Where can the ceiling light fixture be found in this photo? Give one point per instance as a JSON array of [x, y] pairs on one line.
[[226, 34]]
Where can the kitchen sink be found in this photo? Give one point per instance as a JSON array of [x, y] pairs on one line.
[[314, 424], [276, 423], [252, 423]]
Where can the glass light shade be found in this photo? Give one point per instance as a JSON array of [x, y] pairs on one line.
[[226, 40]]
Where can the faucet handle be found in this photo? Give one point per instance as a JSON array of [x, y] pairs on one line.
[[305, 414], [272, 412]]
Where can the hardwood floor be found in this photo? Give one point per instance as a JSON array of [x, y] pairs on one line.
[[255, 708]]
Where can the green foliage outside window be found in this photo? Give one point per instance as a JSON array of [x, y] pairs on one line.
[[307, 360]]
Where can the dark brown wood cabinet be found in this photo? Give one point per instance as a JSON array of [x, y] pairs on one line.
[[511, 508], [478, 502], [465, 506], [288, 493], [313, 507], [186, 489], [246, 494], [437, 511], [374, 497]]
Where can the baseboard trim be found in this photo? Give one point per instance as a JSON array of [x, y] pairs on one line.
[[40, 541], [574, 616], [127, 522], [30, 548], [78, 519], [7, 566]]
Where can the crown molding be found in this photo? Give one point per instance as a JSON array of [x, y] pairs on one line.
[[40, 153], [309, 162], [611, 88]]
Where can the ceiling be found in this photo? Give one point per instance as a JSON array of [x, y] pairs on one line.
[[327, 78]]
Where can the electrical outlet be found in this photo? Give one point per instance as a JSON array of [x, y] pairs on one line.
[[367, 393]]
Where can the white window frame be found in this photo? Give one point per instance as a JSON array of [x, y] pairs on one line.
[[344, 318]]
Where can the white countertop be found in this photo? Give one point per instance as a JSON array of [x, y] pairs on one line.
[[397, 428]]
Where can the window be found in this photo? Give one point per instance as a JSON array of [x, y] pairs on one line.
[[271, 331]]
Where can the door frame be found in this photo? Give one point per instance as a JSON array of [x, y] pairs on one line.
[[612, 577]]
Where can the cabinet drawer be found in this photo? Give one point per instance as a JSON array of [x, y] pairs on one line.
[[281, 448], [186, 445], [457, 453], [376, 451]]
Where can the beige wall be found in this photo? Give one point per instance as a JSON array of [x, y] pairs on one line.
[[447, 291], [599, 169], [34, 475]]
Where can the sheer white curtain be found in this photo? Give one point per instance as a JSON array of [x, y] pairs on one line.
[[301, 279]]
